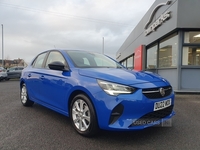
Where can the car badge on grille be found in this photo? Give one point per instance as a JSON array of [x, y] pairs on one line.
[[162, 91]]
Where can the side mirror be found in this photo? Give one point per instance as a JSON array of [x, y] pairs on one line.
[[57, 65]]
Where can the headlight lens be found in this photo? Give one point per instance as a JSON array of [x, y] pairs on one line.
[[115, 89]]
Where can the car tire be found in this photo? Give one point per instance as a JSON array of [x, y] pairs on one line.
[[24, 96], [83, 116]]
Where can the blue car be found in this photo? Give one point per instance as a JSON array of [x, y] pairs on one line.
[[96, 92]]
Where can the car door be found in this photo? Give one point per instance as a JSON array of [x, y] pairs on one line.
[[34, 77], [14, 73], [18, 72], [11, 72], [55, 83]]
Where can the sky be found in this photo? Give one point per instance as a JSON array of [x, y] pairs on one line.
[[33, 26]]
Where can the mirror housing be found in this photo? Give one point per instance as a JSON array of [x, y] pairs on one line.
[[57, 65]]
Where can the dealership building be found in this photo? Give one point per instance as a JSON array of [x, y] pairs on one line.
[[167, 41]]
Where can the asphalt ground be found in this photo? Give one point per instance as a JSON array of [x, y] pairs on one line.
[[38, 128]]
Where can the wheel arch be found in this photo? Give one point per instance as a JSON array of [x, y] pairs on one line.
[[76, 92], [21, 83]]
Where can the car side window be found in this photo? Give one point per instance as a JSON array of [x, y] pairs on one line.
[[38, 63], [55, 56], [12, 69], [20, 68]]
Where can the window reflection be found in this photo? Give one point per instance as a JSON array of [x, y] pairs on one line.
[[168, 52], [152, 57], [192, 37], [130, 63], [124, 63], [191, 56]]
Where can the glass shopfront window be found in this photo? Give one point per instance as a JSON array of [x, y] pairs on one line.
[[192, 37], [152, 57], [191, 56], [191, 49], [130, 62], [124, 63], [168, 49]]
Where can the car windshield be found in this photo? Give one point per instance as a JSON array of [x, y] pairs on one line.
[[84, 59]]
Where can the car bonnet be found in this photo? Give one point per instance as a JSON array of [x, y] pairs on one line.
[[123, 76]]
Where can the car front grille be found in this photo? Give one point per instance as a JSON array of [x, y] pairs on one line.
[[154, 93], [153, 117]]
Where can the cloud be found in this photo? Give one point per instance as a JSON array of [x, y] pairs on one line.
[[33, 26]]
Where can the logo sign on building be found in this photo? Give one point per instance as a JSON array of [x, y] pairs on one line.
[[159, 21], [138, 58]]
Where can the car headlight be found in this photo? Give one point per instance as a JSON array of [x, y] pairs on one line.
[[115, 89]]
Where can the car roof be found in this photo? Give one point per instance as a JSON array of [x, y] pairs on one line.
[[64, 50]]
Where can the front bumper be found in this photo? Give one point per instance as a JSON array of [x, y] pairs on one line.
[[2, 77], [130, 112]]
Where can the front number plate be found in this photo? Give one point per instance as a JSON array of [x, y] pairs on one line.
[[162, 104]]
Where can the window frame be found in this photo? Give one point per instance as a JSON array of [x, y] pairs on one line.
[[132, 67], [65, 61], [190, 45], [149, 47], [177, 51], [190, 31], [44, 61], [157, 43]]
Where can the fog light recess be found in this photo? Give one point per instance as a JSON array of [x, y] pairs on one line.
[[116, 113]]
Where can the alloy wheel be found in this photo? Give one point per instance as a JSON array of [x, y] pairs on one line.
[[81, 115], [23, 95]]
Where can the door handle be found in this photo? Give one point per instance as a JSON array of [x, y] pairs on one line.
[[29, 75]]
